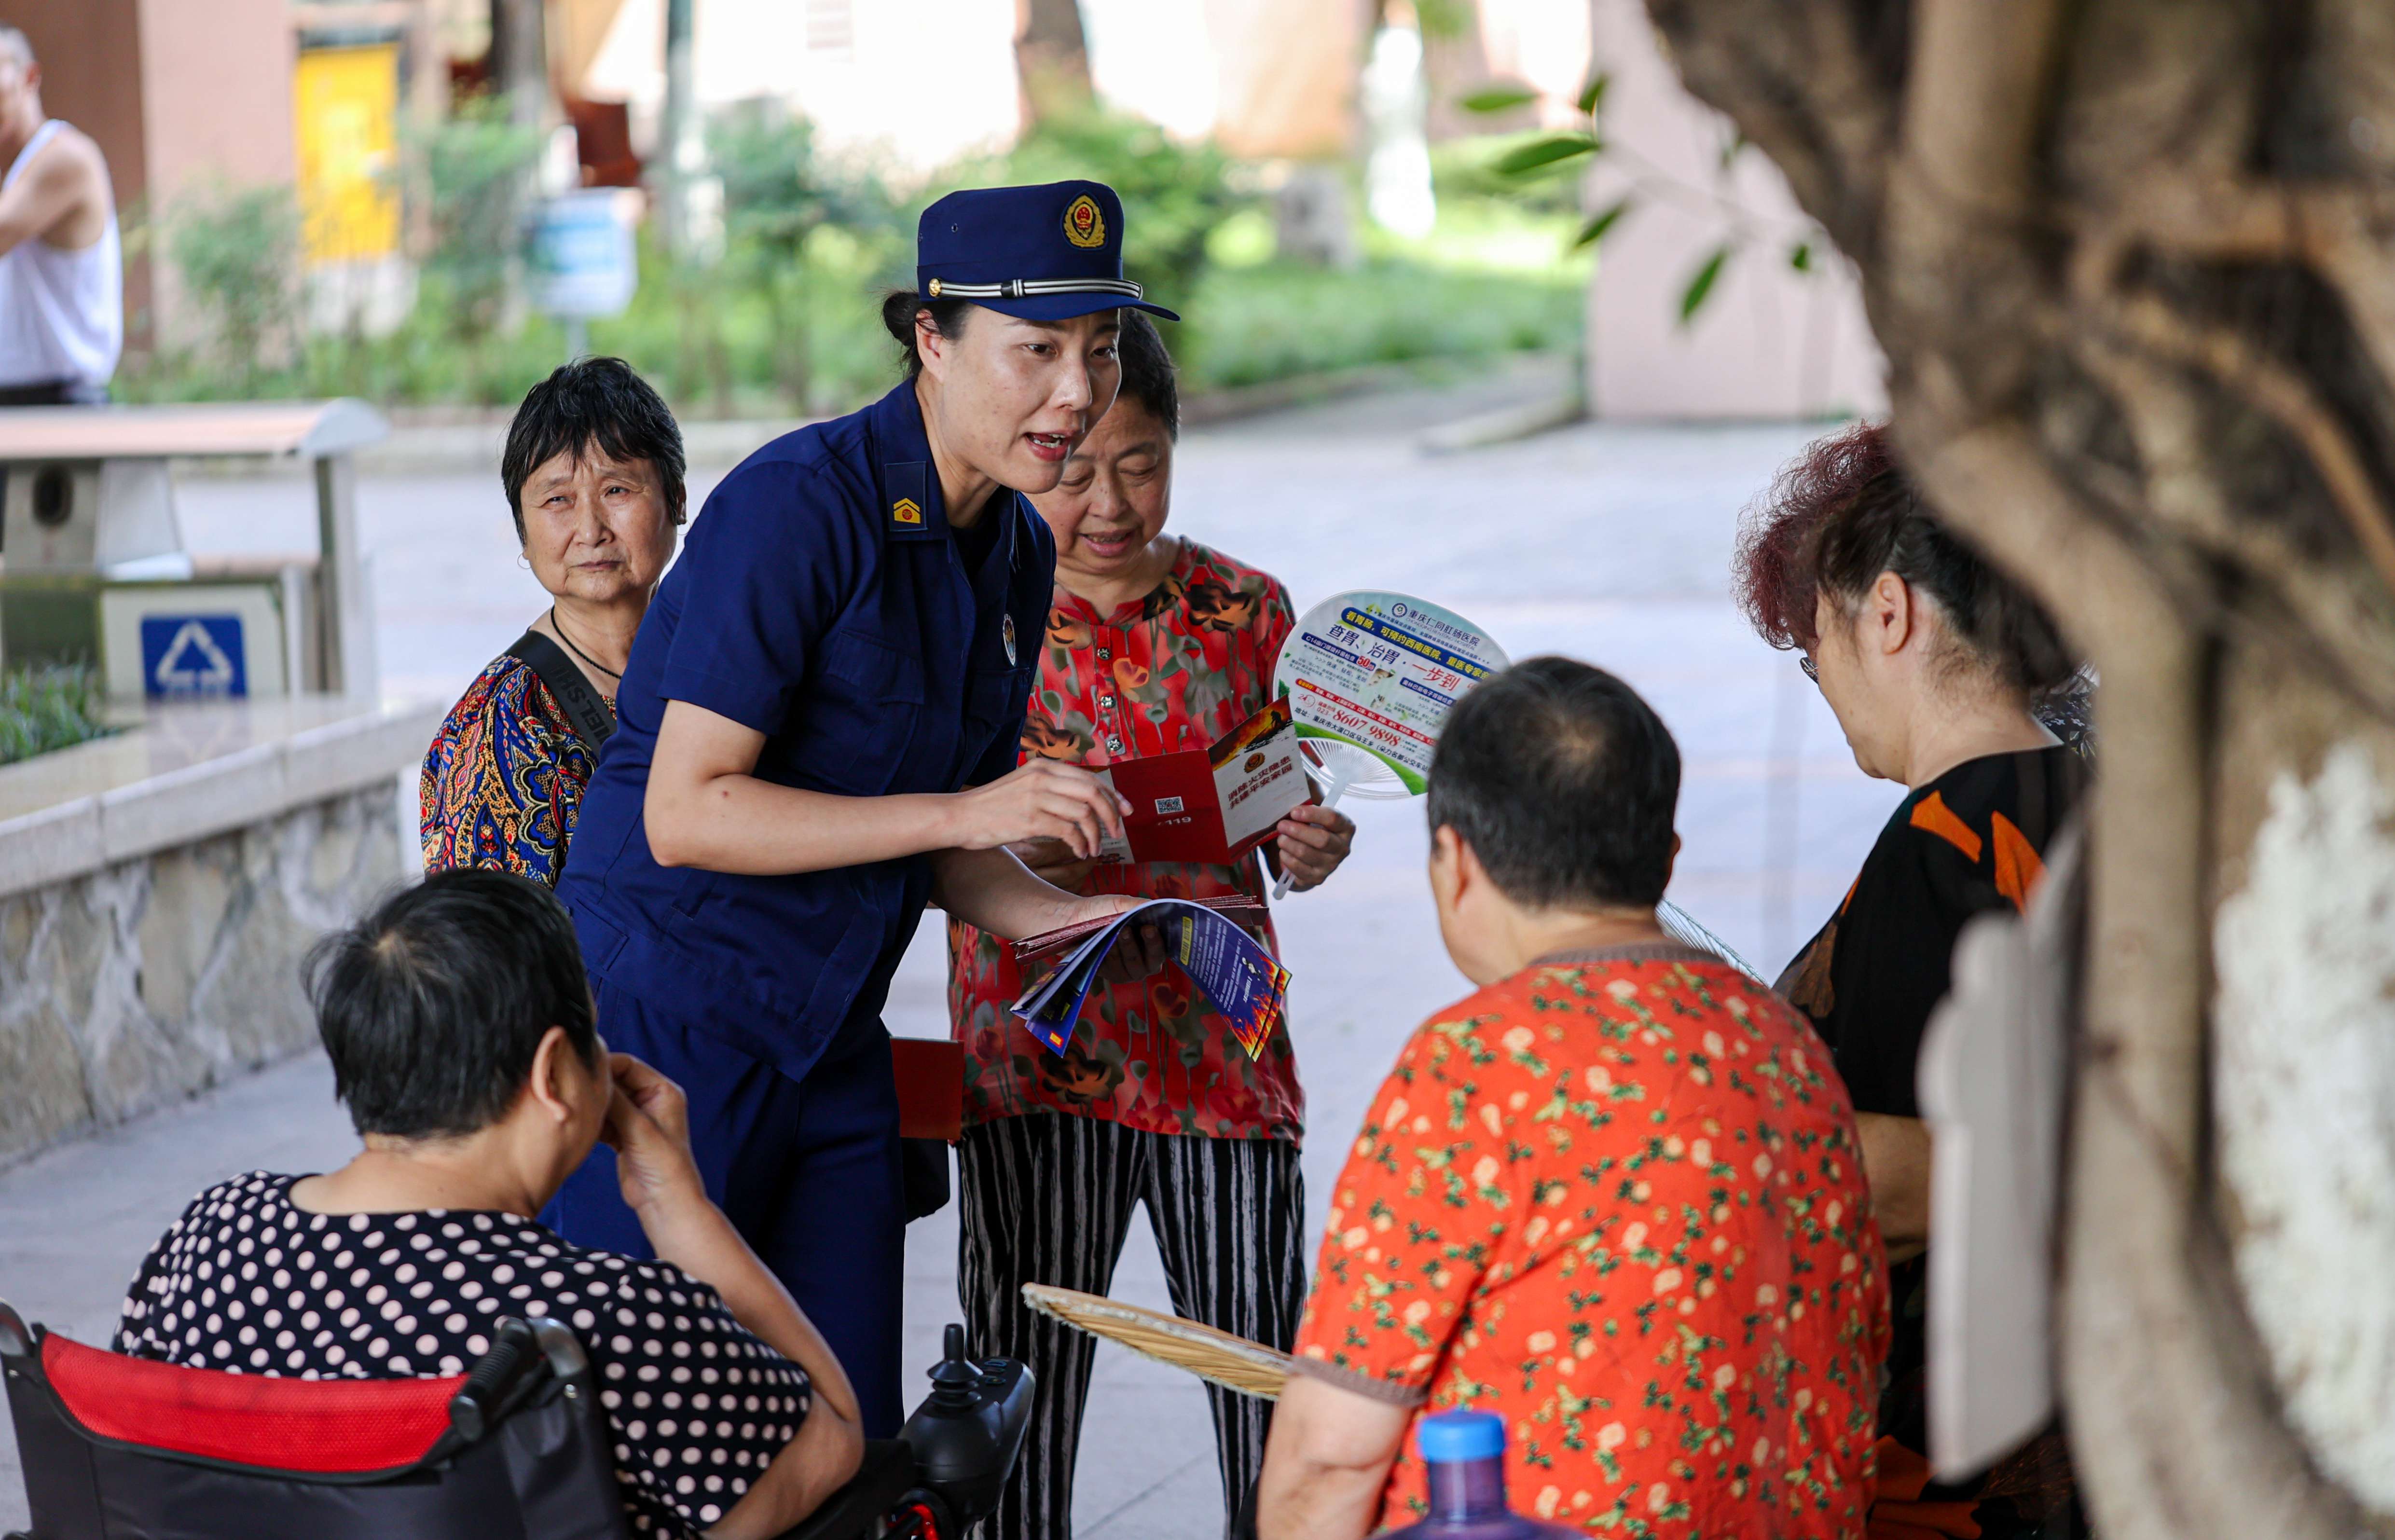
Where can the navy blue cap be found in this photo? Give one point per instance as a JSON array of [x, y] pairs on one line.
[[1453, 1435], [1043, 253]]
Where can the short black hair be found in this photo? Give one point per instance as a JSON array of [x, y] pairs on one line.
[[899, 308], [1563, 782], [1148, 373], [600, 401], [432, 1006]]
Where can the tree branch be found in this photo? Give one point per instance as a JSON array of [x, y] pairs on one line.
[[1975, 102], [1799, 83], [2296, 602], [2285, 398], [2292, 601], [1970, 264], [2341, 230], [1959, 200], [2216, 219], [2155, 1364]]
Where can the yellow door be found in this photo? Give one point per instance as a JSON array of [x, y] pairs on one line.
[[346, 100]]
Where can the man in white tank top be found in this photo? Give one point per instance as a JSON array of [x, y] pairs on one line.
[[62, 268]]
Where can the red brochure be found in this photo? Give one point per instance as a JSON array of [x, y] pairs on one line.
[[1211, 806]]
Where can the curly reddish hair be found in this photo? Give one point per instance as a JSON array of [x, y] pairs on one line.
[[1775, 570], [1843, 513]]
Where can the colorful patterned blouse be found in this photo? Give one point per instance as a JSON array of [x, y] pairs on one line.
[[503, 779], [1175, 670], [1618, 1201]]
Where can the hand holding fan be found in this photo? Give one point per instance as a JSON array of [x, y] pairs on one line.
[[1369, 678]]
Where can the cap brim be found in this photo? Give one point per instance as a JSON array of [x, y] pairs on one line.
[[1064, 307]]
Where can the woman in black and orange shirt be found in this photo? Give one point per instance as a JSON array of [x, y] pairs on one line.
[[1944, 676]]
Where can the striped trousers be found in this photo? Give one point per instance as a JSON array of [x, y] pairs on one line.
[[1048, 1199]]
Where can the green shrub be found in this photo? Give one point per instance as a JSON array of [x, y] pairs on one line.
[[1175, 193], [1251, 324], [788, 320], [237, 252], [779, 196], [476, 167], [47, 708]]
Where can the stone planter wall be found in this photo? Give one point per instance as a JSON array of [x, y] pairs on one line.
[[159, 889], [156, 978]]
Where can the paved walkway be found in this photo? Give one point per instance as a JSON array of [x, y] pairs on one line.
[[1605, 542]]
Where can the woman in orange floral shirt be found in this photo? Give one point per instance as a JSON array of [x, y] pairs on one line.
[[1616, 1197], [1154, 643]]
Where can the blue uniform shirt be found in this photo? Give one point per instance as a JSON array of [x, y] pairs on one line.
[[822, 600]]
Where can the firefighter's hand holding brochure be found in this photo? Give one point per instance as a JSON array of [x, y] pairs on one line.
[[1209, 806], [1212, 805], [1236, 973]]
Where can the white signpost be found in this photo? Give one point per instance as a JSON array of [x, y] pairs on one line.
[[584, 265]]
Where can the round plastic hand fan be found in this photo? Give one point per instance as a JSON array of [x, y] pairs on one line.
[[1370, 677], [1342, 770]]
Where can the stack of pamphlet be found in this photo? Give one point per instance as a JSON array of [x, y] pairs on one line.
[[1246, 986]]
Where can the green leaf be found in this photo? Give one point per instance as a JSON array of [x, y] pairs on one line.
[[1607, 218], [1443, 17], [1499, 98], [1730, 147], [1540, 153], [1701, 286], [1800, 257], [1593, 94]]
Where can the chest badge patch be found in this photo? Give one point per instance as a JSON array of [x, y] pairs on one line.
[[906, 510], [1084, 226], [1006, 635]]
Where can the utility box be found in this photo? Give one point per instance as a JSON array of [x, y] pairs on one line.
[[93, 568]]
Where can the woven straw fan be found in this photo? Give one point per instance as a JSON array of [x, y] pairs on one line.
[[1231, 1362]]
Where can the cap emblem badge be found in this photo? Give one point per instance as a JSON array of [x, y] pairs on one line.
[[1084, 226], [906, 511]]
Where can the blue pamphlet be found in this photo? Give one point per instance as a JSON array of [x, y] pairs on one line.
[[1236, 973]]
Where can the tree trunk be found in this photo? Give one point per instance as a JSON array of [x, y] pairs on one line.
[[519, 59], [520, 72], [1052, 59], [2130, 264], [681, 153]]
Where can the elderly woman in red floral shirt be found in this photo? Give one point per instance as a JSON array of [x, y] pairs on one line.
[[1154, 643]]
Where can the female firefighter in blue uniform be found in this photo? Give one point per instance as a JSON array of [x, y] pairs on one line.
[[817, 736]]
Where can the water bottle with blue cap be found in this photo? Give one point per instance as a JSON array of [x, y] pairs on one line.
[[1464, 1453]]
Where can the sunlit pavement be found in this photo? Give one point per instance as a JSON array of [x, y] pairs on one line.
[[1609, 543]]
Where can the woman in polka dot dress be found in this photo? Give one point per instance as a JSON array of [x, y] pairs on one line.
[[461, 1037]]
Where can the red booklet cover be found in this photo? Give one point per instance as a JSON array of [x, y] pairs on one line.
[[930, 1075], [1211, 806]]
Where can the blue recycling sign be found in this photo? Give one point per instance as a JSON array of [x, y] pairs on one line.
[[193, 655]]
